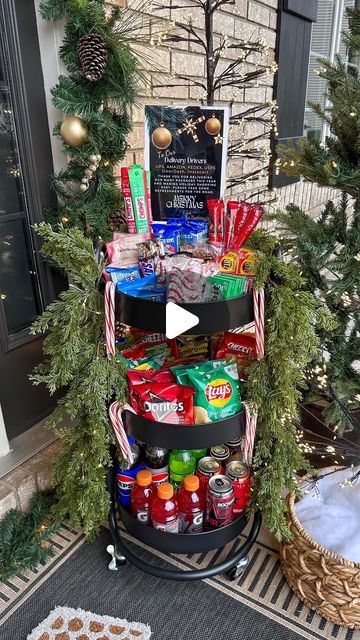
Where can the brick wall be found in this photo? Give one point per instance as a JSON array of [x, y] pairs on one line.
[[246, 19]]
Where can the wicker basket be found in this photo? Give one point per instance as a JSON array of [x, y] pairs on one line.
[[326, 582]]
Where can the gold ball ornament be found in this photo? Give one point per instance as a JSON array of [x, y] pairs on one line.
[[74, 131], [212, 125], [161, 137]]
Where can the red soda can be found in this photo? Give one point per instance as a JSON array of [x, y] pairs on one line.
[[221, 453], [206, 469], [234, 446], [240, 475], [219, 502]]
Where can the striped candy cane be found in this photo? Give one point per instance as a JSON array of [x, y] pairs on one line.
[[110, 318], [251, 414], [259, 315], [115, 415]]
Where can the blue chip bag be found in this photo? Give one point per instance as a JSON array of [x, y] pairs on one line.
[[126, 287], [169, 234], [156, 294]]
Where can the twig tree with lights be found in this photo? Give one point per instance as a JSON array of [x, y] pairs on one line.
[[328, 248], [245, 71]]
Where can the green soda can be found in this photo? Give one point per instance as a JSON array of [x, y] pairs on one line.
[[199, 453], [182, 463]]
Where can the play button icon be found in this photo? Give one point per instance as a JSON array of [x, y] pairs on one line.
[[178, 320]]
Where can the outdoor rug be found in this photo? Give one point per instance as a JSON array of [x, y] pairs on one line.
[[259, 604], [64, 623]]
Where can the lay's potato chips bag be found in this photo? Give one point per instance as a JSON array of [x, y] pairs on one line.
[[217, 392]]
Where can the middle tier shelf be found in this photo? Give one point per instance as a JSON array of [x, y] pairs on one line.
[[176, 436]]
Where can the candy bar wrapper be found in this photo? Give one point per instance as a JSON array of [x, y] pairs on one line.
[[216, 214], [129, 209], [240, 263], [241, 218], [126, 274], [255, 214], [122, 251], [232, 209], [137, 186]]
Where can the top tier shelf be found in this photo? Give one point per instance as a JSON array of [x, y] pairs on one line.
[[214, 316]]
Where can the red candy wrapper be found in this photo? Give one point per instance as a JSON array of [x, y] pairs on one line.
[[171, 403], [134, 353], [232, 209], [254, 216], [241, 218], [129, 209], [237, 343], [216, 215]]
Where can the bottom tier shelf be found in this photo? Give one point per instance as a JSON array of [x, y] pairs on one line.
[[180, 542]]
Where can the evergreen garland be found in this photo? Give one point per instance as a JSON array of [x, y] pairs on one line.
[[275, 382], [25, 538], [328, 249], [104, 105], [76, 362]]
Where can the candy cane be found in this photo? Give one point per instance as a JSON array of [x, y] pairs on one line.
[[259, 314], [251, 414], [110, 318], [115, 415]]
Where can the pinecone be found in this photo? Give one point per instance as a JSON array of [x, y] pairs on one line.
[[117, 221], [93, 55]]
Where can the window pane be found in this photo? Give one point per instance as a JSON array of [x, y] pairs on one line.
[[19, 286]]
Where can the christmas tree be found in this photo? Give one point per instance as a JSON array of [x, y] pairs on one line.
[[328, 248], [95, 96]]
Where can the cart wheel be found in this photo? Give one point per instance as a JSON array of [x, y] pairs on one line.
[[240, 567], [116, 558]]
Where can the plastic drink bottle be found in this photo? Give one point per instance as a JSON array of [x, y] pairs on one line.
[[141, 496], [199, 453], [164, 509], [156, 460], [181, 463], [191, 502], [126, 475]]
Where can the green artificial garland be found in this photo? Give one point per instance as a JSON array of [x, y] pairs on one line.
[[25, 539], [76, 361]]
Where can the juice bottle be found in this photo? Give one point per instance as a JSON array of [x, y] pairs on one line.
[[164, 509], [141, 496], [181, 463], [191, 502]]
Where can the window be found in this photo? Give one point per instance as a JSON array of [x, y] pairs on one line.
[[325, 43]]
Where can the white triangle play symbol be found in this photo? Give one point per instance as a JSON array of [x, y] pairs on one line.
[[178, 320]]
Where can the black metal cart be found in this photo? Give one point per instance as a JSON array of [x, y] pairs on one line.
[[214, 317]]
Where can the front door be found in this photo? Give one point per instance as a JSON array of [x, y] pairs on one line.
[[25, 168]]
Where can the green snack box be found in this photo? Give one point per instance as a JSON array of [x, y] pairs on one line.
[[217, 393], [138, 195]]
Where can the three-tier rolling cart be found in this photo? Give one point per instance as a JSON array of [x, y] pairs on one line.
[[213, 317]]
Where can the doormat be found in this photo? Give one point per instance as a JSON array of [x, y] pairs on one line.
[[64, 623]]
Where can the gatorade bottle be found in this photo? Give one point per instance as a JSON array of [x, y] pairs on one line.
[[191, 506], [164, 509], [199, 453], [126, 475], [181, 463], [141, 496]]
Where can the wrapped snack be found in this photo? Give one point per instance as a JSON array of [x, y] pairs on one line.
[[224, 287], [155, 294], [194, 347], [126, 274], [137, 186], [185, 286], [216, 215], [238, 263], [133, 353], [154, 362], [181, 371], [254, 216], [170, 235], [136, 378], [241, 217], [217, 393], [129, 209], [201, 251], [239, 348], [122, 251], [136, 285], [232, 209], [171, 403], [147, 182]]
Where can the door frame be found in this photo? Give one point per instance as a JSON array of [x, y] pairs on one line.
[[19, 29]]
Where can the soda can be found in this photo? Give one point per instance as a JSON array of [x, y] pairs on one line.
[[159, 475], [240, 475], [234, 446], [125, 482], [219, 502], [221, 453], [207, 467]]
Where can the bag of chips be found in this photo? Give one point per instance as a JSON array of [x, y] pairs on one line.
[[217, 393], [171, 403], [137, 377], [239, 348]]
